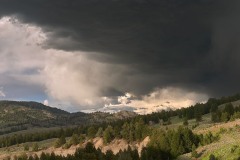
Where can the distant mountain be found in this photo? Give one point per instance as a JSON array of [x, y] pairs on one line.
[[109, 117], [15, 116]]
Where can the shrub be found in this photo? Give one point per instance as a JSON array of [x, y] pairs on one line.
[[35, 147], [234, 148], [212, 157], [74, 139], [67, 145], [59, 142], [185, 122], [26, 147], [194, 152]]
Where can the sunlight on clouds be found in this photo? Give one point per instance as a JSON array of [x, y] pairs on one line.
[[22, 59], [159, 99], [19, 46], [73, 78], [125, 99], [64, 76]]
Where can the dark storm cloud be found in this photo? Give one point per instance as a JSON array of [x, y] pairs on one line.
[[186, 43]]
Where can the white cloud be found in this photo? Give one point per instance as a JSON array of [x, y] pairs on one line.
[[68, 77], [45, 102], [75, 78], [19, 49], [2, 94], [22, 58], [64, 76], [159, 99], [125, 99], [72, 78]]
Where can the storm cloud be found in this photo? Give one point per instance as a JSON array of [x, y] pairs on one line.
[[136, 46]]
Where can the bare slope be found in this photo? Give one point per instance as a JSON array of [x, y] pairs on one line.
[[116, 145]]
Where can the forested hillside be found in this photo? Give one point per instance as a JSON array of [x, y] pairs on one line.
[[172, 133], [17, 116]]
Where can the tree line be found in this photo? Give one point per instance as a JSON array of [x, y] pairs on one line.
[[228, 113], [163, 145], [192, 112], [132, 129]]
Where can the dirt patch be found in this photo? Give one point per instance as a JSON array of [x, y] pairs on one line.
[[119, 144], [98, 142], [142, 144], [115, 146]]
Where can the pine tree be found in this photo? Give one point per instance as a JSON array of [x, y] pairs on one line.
[[125, 131], [125, 156], [91, 132], [135, 155], [225, 117], [59, 142], [36, 157], [194, 152], [74, 139], [229, 109], [185, 122], [108, 134], [212, 157], [30, 157], [109, 155], [99, 132]]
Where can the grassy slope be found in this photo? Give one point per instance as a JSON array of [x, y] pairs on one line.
[[16, 116], [221, 149], [176, 122], [19, 149], [230, 137], [235, 103], [227, 148], [230, 140], [206, 122]]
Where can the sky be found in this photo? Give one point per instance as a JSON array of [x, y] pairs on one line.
[[110, 55]]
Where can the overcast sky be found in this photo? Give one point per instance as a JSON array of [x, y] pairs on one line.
[[144, 54]]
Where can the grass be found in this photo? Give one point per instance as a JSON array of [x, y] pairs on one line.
[[37, 130], [235, 103], [19, 149], [227, 148], [15, 149], [176, 122]]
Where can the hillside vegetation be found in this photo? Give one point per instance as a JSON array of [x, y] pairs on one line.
[[17, 116], [196, 132]]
